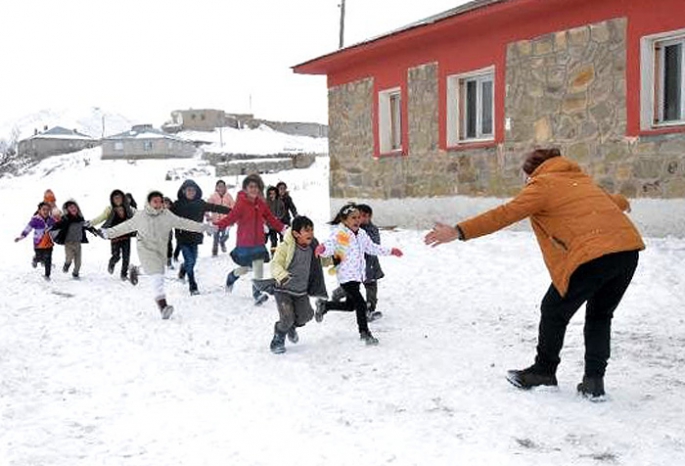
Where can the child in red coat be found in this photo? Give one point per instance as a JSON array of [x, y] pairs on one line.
[[250, 213]]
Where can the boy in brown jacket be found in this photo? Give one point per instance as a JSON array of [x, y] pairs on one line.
[[590, 248]]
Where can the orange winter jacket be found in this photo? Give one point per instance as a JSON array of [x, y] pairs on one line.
[[574, 220]]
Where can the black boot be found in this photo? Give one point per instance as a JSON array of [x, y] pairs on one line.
[[182, 272], [164, 308], [369, 339], [592, 388], [231, 278], [530, 377], [278, 341], [320, 310], [293, 337]]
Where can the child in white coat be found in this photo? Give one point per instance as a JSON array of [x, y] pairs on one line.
[[153, 224], [348, 244]]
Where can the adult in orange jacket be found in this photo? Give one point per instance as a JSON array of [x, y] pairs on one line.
[[590, 248]]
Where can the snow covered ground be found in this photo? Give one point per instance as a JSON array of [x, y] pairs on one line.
[[90, 374]]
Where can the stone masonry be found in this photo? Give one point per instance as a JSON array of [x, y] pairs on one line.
[[566, 89]]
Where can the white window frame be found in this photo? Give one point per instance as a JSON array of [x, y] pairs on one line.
[[389, 131], [456, 121], [651, 102]]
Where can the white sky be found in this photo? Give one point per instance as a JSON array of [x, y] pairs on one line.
[[145, 58]]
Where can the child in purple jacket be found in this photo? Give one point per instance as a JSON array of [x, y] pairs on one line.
[[42, 242]]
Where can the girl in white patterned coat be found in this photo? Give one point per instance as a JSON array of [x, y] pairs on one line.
[[348, 244]]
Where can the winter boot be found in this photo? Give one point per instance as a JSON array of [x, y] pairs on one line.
[[592, 388], [372, 314], [164, 308], [278, 342], [293, 337], [75, 276], [133, 275], [530, 377], [110, 267], [182, 273], [231, 278], [367, 338], [193, 288], [259, 297], [65, 267], [338, 294], [34, 262], [124, 275], [320, 310]]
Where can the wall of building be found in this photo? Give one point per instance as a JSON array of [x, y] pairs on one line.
[[567, 89], [40, 148], [136, 149]]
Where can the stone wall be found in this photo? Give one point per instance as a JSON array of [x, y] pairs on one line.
[[568, 89]]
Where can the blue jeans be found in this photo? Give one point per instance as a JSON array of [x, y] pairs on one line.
[[189, 252]]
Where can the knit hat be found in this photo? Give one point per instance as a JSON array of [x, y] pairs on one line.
[[49, 196]]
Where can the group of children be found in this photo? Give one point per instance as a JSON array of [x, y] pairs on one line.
[[296, 264]]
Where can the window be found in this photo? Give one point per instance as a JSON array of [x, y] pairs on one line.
[[390, 120], [147, 146], [118, 146], [663, 80], [471, 107]]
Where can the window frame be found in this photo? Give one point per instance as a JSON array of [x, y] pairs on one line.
[[652, 95], [456, 121], [390, 137]]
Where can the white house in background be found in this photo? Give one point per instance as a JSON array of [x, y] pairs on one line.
[[146, 142], [55, 141]]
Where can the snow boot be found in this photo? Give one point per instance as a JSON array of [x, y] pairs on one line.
[[367, 338], [320, 310], [372, 314], [182, 273], [293, 337], [133, 275], [75, 276], [338, 294], [530, 377], [34, 262], [231, 278], [592, 388], [124, 275], [192, 287], [278, 341], [65, 267], [164, 308], [110, 267]]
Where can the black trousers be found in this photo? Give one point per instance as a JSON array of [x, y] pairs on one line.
[[354, 302], [44, 256], [274, 236], [601, 284], [121, 250]]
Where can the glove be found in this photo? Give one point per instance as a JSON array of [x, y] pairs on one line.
[[320, 249], [396, 252]]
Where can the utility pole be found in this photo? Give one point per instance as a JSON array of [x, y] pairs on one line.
[[342, 23]]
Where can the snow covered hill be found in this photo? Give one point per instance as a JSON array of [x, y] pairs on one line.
[[90, 374], [93, 121]]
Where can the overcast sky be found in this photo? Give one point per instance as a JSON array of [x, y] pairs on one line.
[[145, 58]]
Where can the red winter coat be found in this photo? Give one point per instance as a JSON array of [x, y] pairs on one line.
[[250, 217]]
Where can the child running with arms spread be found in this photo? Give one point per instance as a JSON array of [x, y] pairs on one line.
[[348, 244]]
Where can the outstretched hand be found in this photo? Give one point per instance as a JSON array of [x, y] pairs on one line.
[[441, 234], [18, 238], [397, 252], [320, 249]]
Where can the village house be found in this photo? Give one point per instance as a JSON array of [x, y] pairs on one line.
[[432, 121], [145, 142], [55, 141]]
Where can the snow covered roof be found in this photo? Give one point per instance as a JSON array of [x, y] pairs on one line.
[[145, 132], [59, 132]]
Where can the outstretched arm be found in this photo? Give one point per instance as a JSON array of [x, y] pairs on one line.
[[102, 217], [122, 229], [219, 209], [188, 225]]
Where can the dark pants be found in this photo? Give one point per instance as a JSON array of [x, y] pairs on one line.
[[170, 247], [601, 283], [371, 294], [274, 236], [219, 239], [354, 301], [44, 256], [189, 252], [121, 250], [292, 310]]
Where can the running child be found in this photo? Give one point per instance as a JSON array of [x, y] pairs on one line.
[[41, 223], [348, 244], [153, 224], [71, 232]]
